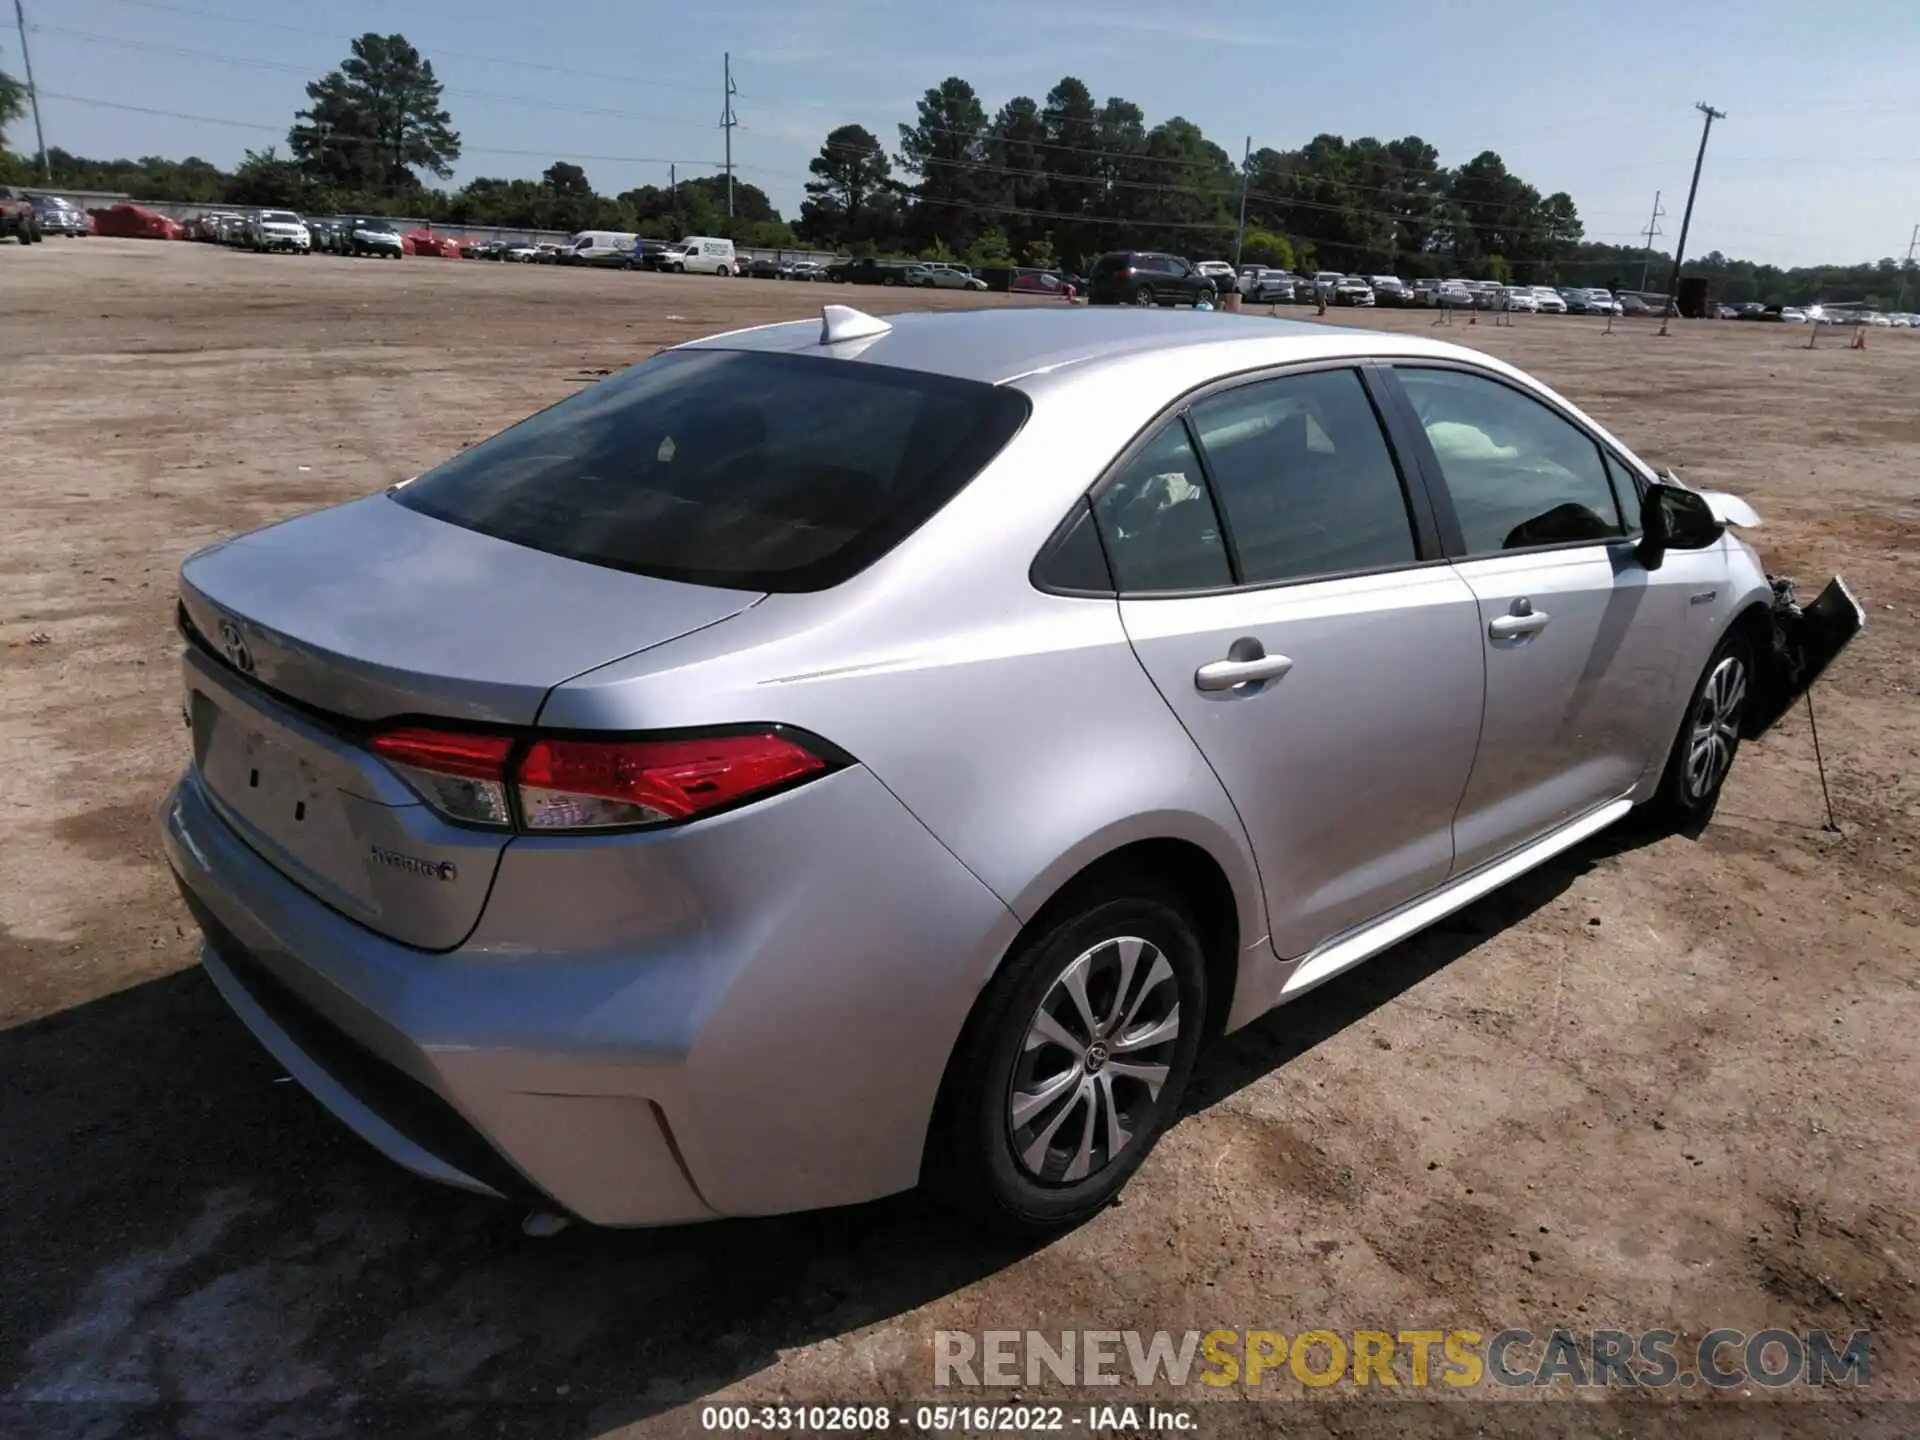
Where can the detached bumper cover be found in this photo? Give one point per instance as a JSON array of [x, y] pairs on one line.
[[1805, 640]]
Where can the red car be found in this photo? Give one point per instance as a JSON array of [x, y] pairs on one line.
[[1040, 283]]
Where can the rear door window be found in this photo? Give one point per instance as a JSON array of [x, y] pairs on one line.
[[1158, 523], [744, 470], [1303, 473]]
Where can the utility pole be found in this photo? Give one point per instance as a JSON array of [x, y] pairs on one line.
[[1246, 171], [33, 95], [673, 185], [727, 122], [1912, 244], [1686, 218], [1652, 230]]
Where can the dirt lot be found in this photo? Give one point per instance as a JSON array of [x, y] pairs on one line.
[[1667, 1082]]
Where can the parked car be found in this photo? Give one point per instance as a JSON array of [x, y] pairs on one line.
[[18, 216], [1631, 304], [279, 230], [1455, 295], [1219, 272], [1791, 316], [368, 236], [1579, 301], [1390, 290], [761, 267], [1353, 290], [1042, 282], [809, 270], [512, 837], [1547, 300], [946, 277], [868, 271], [1146, 278], [57, 215], [1521, 297], [1265, 286]]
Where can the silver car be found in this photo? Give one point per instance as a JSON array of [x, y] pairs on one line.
[[841, 756]]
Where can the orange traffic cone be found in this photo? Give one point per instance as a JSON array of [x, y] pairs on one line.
[[1859, 338]]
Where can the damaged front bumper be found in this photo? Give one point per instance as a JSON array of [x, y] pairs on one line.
[[1804, 640]]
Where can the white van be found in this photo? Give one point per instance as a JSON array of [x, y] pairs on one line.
[[600, 247], [700, 255]]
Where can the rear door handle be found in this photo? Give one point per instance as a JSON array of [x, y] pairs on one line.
[[1225, 674], [1513, 627]]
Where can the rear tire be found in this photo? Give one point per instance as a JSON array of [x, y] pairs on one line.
[[1709, 739], [1073, 1062]]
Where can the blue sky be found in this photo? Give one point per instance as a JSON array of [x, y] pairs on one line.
[[1818, 160]]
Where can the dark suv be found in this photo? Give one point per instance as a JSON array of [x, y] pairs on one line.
[[1146, 277]]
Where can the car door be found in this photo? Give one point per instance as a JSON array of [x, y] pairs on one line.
[[1581, 642], [1282, 584]]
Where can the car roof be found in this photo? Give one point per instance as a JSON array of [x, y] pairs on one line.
[[1004, 344]]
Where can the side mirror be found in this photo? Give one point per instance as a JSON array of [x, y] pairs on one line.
[[1674, 518]]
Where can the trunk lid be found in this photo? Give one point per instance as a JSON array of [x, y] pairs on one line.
[[371, 612]]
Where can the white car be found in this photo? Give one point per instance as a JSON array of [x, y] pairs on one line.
[[940, 276], [1218, 271], [279, 230], [522, 254], [1521, 297], [1547, 301], [1792, 315], [1353, 290]]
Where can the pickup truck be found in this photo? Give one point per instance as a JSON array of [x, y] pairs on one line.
[[869, 272], [18, 217]]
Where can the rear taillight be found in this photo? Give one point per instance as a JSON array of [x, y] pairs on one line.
[[592, 784], [461, 774], [558, 784]]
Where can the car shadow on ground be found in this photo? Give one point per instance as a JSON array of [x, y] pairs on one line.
[[194, 1246]]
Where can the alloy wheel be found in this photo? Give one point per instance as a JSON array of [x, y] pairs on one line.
[[1093, 1063], [1716, 727]]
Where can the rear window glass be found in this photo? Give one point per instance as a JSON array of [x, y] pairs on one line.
[[731, 468]]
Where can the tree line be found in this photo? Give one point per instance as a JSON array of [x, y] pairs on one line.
[[1051, 183]]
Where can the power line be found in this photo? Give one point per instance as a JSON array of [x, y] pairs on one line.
[[338, 38], [256, 63], [256, 125]]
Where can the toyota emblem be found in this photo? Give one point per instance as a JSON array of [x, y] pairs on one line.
[[234, 645]]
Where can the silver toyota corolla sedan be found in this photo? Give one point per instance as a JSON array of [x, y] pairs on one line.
[[840, 756]]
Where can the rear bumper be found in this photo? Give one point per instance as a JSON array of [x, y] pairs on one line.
[[730, 1019]]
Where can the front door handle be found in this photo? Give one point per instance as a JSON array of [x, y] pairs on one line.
[[1251, 670], [1515, 627]]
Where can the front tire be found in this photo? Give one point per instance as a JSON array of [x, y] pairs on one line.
[[1143, 297], [1703, 752], [1073, 1062]]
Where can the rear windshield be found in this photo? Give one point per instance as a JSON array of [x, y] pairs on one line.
[[744, 470]]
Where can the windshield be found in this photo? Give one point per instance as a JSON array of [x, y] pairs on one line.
[[280, 217], [731, 468], [380, 226]]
